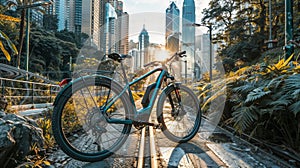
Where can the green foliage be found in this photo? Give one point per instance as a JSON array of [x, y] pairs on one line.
[[50, 55], [72, 37], [45, 124], [244, 116], [265, 102], [241, 28], [50, 22], [49, 52], [256, 94]]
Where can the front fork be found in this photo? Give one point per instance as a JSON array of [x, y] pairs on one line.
[[175, 110]]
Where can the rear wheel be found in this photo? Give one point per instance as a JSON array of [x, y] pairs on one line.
[[180, 116], [79, 126]]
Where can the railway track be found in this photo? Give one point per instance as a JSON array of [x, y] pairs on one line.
[[149, 148], [148, 156]]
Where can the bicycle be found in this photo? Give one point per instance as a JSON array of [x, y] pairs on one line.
[[93, 115]]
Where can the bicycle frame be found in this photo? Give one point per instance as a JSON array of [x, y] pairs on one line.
[[144, 111]]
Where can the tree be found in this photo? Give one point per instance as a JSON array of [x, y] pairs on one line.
[[18, 4], [50, 22], [220, 12], [72, 37], [48, 54], [240, 27]]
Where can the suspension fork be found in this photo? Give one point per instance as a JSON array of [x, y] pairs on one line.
[[177, 92], [178, 97]]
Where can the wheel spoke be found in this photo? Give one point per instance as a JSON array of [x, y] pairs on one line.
[[79, 126], [181, 119]]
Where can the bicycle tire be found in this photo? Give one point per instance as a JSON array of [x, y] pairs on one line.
[[189, 114], [92, 124]]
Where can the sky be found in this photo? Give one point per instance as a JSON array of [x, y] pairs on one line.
[[151, 13]]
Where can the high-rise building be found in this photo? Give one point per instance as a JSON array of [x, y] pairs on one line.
[[122, 28], [77, 16], [172, 27], [80, 16], [203, 51], [115, 28], [188, 34], [83, 16], [110, 32], [135, 53], [65, 12], [124, 44], [60, 12], [143, 46], [37, 16], [70, 15], [98, 19]]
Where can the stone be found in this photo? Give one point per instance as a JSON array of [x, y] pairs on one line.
[[17, 137], [3, 102]]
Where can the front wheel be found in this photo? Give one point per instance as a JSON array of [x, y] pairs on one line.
[[179, 112]]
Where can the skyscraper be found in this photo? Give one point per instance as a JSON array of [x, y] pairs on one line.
[[143, 47], [77, 16], [110, 28], [188, 33], [124, 45], [122, 29], [172, 27], [70, 15], [60, 12]]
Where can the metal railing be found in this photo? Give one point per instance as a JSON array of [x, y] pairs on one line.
[[19, 92], [23, 88]]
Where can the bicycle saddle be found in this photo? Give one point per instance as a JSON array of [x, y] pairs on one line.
[[118, 57]]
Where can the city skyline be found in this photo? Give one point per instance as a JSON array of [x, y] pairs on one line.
[[146, 12]]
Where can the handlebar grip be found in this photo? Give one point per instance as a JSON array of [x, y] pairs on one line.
[[181, 53]]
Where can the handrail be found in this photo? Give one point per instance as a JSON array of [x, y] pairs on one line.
[[19, 73], [18, 92], [22, 81]]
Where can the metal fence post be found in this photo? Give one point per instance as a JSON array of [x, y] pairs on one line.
[[2, 87], [289, 48], [32, 94], [50, 94]]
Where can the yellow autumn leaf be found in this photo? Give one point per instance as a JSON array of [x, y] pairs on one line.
[[46, 163], [4, 51], [10, 44], [9, 18], [279, 64], [288, 60]]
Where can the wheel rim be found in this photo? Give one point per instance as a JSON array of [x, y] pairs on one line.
[[83, 126], [181, 122]]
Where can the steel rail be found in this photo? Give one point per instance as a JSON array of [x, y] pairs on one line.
[[152, 149], [141, 149]]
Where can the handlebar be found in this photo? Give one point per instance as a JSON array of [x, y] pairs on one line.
[[120, 57], [181, 54]]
